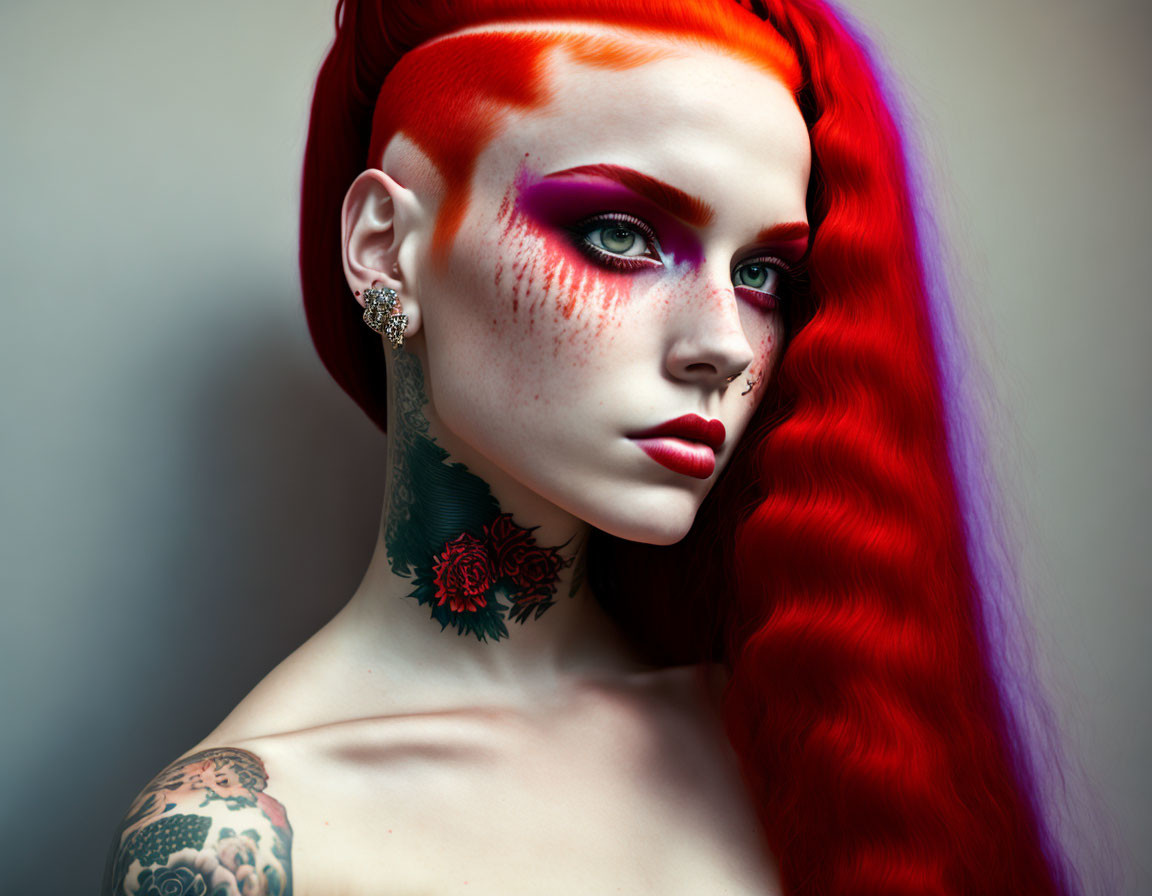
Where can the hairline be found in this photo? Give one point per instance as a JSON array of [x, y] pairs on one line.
[[566, 28]]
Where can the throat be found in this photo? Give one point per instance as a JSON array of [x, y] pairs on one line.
[[478, 569]]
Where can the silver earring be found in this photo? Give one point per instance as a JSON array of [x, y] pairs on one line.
[[751, 383], [382, 315]]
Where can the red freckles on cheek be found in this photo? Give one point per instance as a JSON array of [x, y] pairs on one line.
[[758, 372], [767, 346], [551, 277]]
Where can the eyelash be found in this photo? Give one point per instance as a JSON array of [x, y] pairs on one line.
[[618, 262], [624, 263]]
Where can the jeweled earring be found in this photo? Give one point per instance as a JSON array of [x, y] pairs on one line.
[[382, 315]]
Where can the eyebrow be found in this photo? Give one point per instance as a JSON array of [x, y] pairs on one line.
[[688, 208], [684, 206], [783, 233]]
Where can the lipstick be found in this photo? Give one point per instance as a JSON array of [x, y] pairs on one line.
[[690, 458], [686, 445]]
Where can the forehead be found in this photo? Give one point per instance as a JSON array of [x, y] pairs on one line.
[[700, 118]]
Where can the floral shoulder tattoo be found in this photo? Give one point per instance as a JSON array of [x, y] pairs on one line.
[[204, 827]]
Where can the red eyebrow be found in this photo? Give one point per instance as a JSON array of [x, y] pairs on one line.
[[781, 233], [684, 206]]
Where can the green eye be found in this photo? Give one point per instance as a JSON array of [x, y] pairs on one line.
[[763, 275], [617, 239], [754, 275]]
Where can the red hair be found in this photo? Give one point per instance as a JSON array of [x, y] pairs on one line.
[[830, 568]]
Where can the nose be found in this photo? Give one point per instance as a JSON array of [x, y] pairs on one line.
[[708, 344]]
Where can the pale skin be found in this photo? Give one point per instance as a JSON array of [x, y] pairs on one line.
[[394, 753]]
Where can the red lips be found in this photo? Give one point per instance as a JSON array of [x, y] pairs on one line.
[[692, 427], [685, 445]]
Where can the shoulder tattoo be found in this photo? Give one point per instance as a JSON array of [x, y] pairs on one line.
[[204, 827]]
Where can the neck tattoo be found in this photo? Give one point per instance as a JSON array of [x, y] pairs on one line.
[[470, 564]]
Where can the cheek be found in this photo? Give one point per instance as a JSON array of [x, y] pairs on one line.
[[766, 336], [550, 283], [769, 340]]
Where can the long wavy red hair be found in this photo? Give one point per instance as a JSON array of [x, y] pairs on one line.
[[831, 569]]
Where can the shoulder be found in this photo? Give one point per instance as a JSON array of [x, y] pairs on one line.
[[205, 824]]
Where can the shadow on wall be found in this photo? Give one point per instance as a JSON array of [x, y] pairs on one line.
[[264, 538]]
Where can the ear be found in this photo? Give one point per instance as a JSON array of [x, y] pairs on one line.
[[379, 221]]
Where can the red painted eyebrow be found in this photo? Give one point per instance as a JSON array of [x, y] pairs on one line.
[[684, 206], [783, 233], [688, 208]]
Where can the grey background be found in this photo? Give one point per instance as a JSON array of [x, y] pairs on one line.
[[184, 496]]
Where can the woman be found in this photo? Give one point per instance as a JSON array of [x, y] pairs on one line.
[[673, 590]]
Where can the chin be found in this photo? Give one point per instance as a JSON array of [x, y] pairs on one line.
[[662, 519]]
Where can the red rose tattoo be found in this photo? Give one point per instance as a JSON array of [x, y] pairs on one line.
[[506, 557], [463, 574], [539, 569], [508, 543], [516, 556]]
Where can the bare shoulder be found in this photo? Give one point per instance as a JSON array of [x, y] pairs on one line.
[[206, 824]]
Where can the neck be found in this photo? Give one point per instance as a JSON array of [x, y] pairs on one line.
[[476, 579]]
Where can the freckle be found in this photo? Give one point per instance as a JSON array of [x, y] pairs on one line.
[[548, 279], [570, 306], [519, 277], [536, 397], [508, 225]]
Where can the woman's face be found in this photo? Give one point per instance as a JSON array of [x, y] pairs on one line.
[[622, 258]]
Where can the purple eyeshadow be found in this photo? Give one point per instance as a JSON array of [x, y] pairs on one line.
[[562, 201]]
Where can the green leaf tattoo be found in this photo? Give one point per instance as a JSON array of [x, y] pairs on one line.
[[470, 564], [204, 827]]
